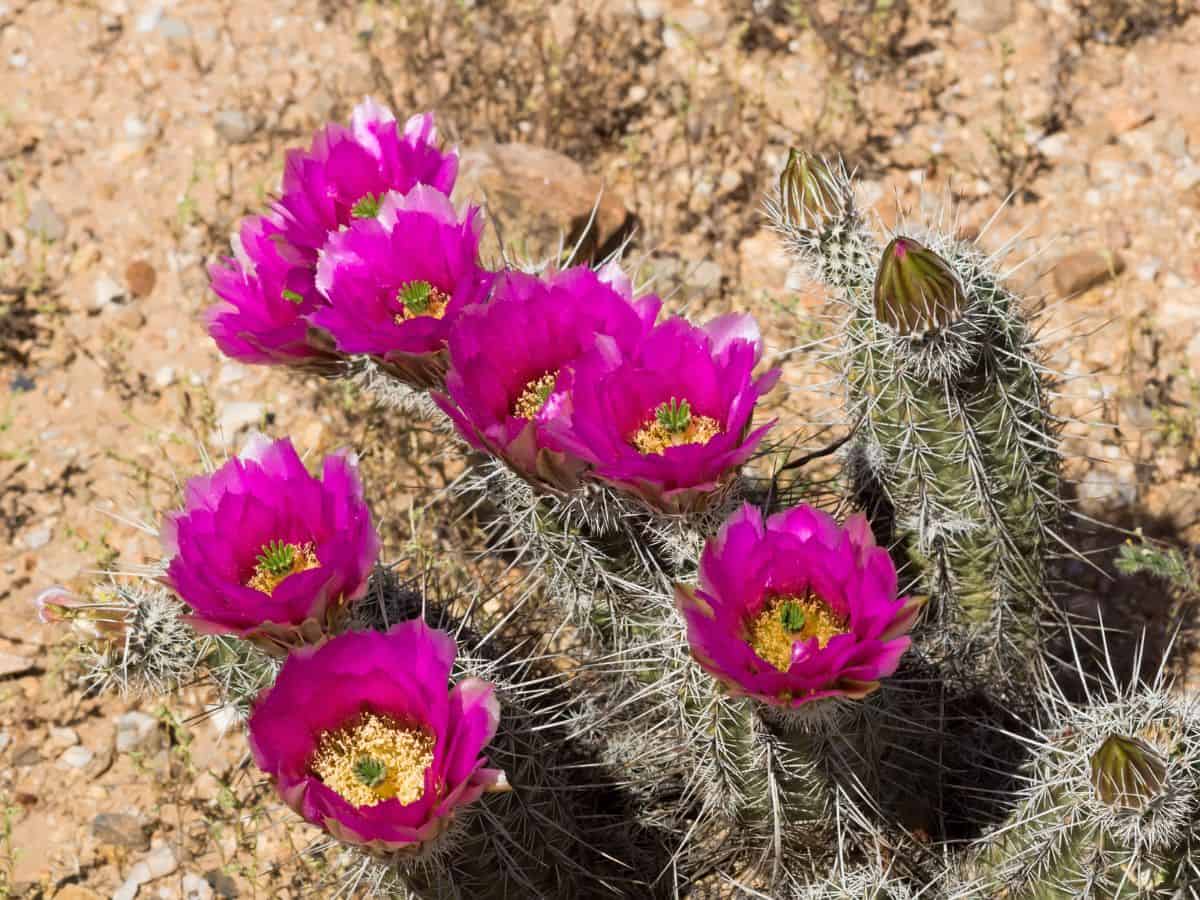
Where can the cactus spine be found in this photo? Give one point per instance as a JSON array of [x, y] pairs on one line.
[[944, 386]]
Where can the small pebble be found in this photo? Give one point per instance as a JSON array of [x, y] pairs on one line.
[[234, 126], [134, 729], [148, 20], [120, 830], [38, 537], [230, 373], [106, 292], [196, 888], [235, 416], [174, 29], [44, 221], [77, 757], [140, 277], [63, 737], [12, 664]]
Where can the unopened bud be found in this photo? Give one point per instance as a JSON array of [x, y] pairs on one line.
[[809, 194], [916, 291], [1127, 774]]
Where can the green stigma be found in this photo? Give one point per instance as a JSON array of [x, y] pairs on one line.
[[792, 616], [416, 296], [367, 207], [675, 416], [370, 771], [292, 297], [277, 558]]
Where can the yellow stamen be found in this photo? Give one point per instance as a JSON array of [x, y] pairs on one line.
[[655, 437], [374, 759], [770, 637], [535, 395], [433, 305], [267, 576]]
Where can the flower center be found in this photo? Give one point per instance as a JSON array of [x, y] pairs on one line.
[[367, 207], [277, 560], [785, 620], [292, 297], [674, 425], [535, 395], [374, 759], [420, 298]]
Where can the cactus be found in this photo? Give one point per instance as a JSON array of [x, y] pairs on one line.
[[949, 400], [759, 725], [560, 831], [605, 560], [139, 645], [1111, 804]]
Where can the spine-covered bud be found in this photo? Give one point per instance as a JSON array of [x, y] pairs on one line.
[[134, 637], [1127, 773], [810, 194], [1111, 806], [916, 291]]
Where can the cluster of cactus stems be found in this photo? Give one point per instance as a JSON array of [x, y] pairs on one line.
[[636, 773]]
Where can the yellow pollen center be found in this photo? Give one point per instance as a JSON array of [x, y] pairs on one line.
[[374, 759], [655, 437], [434, 306], [535, 395], [771, 637], [270, 572]]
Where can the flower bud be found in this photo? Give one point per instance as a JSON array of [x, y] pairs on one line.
[[1127, 774], [808, 191], [916, 291]]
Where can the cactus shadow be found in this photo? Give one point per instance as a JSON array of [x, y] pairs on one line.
[[1124, 627]]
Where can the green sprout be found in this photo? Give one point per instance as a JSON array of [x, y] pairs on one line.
[[367, 207], [370, 771], [675, 416], [277, 558]]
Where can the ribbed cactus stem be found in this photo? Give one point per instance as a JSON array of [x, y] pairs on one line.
[[761, 799], [1112, 806], [734, 783], [950, 401]]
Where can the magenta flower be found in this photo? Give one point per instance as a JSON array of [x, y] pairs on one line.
[[268, 287], [668, 419], [264, 550], [346, 172], [397, 283], [364, 738], [511, 361], [268, 293], [796, 609]]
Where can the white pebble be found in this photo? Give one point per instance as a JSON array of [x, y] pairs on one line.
[[133, 730], [196, 888], [77, 757]]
